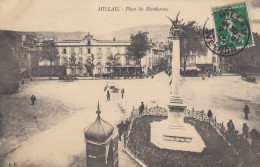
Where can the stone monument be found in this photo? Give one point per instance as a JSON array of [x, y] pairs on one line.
[[173, 133]]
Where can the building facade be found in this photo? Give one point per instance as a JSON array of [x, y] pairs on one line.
[[93, 57], [26, 54], [209, 62]]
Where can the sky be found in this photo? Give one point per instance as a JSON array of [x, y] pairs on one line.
[[83, 15]]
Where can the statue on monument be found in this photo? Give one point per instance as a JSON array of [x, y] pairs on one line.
[[175, 23]]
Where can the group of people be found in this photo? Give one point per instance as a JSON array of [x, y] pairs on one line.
[[203, 75], [230, 124], [231, 129], [108, 92], [123, 128]]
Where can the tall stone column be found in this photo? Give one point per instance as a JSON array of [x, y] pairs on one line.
[[176, 106]]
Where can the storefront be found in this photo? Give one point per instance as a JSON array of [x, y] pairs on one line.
[[205, 67]]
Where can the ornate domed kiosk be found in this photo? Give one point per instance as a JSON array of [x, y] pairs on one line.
[[101, 143]]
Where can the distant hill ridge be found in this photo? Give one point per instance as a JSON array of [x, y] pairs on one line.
[[156, 32]]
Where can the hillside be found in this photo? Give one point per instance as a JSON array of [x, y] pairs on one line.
[[156, 32]]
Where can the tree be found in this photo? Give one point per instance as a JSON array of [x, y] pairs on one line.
[[192, 41], [138, 48], [113, 61], [49, 52], [89, 65], [72, 62]]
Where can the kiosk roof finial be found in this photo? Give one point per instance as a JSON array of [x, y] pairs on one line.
[[98, 109]]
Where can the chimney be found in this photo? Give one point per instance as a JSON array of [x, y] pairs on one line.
[[54, 39]]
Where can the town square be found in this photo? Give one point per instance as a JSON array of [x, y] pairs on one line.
[[153, 95]]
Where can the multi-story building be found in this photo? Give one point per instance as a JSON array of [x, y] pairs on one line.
[[26, 54], [92, 57], [156, 57], [209, 62]]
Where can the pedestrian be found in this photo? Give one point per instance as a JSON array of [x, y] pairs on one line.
[[108, 95], [1, 122], [122, 92], [209, 74], [231, 127], [245, 131], [203, 78], [120, 127], [141, 108], [210, 113], [246, 111], [125, 139], [33, 99], [255, 135], [127, 122]]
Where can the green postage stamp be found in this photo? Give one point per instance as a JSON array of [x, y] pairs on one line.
[[232, 26]]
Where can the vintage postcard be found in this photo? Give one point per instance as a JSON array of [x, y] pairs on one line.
[[128, 83]]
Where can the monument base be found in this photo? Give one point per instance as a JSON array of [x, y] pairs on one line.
[[184, 138], [173, 133]]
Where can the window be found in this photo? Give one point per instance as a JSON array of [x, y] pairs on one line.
[[88, 42], [99, 50], [80, 50], [64, 51], [89, 51], [108, 50], [25, 56], [65, 61], [80, 60], [56, 62], [127, 61], [213, 59]]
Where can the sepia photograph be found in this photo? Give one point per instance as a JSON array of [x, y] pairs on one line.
[[129, 83]]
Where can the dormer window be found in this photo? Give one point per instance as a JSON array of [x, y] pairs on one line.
[[88, 42]]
